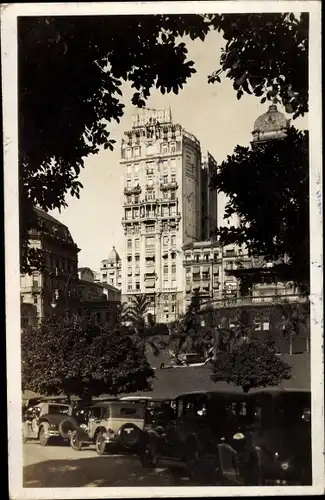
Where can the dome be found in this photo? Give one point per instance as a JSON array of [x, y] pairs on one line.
[[271, 121], [49, 226], [113, 255]]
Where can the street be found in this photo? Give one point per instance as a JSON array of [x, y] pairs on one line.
[[61, 466]]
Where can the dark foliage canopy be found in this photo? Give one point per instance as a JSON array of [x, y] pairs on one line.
[[250, 365], [71, 70], [268, 187], [78, 357]]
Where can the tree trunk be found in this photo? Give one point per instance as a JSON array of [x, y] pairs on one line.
[[69, 398]]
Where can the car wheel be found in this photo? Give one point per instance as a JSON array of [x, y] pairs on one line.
[[192, 459], [24, 437], [253, 474], [100, 443], [148, 454], [75, 441], [43, 439]]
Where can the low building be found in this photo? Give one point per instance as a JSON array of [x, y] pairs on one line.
[[218, 274], [98, 300]]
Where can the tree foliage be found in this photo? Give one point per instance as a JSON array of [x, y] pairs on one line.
[[268, 187], [71, 69], [78, 357], [142, 327], [250, 365], [70, 73], [266, 55], [189, 334]]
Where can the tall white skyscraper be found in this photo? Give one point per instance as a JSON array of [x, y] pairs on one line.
[[162, 209]]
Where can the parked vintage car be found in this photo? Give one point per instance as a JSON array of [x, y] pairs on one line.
[[280, 438], [194, 429], [43, 420], [110, 424]]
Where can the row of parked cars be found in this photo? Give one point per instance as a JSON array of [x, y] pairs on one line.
[[262, 438]]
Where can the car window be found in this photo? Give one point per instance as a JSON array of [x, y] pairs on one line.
[[96, 413], [58, 410]]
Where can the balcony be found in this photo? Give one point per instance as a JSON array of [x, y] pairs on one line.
[[258, 300], [168, 186], [132, 190]]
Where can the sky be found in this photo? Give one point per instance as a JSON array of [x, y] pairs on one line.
[[209, 111]]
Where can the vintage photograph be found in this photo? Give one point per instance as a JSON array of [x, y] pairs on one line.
[[168, 201]]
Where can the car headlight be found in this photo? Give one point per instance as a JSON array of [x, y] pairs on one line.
[[285, 465], [52, 426], [238, 436]]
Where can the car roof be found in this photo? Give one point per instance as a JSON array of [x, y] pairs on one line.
[[224, 393], [107, 404]]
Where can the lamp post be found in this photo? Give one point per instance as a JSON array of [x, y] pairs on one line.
[[66, 292]]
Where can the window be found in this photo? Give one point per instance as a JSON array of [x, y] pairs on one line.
[[129, 230], [129, 286], [129, 244], [129, 153], [129, 200], [165, 269], [136, 243], [173, 255], [173, 164], [173, 297], [137, 258], [165, 195], [164, 148], [165, 165], [266, 325], [129, 259], [165, 283], [136, 199], [173, 210], [173, 147], [137, 285], [165, 241], [229, 266], [173, 240], [128, 214], [135, 213], [173, 178], [173, 268], [165, 211], [150, 229], [128, 169], [150, 149], [136, 229], [173, 283], [128, 183], [173, 195], [165, 179], [136, 152], [150, 241], [136, 181], [206, 256]]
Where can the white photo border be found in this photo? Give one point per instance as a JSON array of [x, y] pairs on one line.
[[9, 14]]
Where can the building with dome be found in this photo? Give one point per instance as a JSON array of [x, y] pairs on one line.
[[219, 273], [55, 288], [270, 125], [111, 270]]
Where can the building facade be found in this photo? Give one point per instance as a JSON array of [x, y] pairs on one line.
[[97, 300], [162, 209], [225, 277], [111, 270], [55, 288]]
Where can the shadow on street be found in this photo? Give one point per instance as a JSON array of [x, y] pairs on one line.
[[103, 471]]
